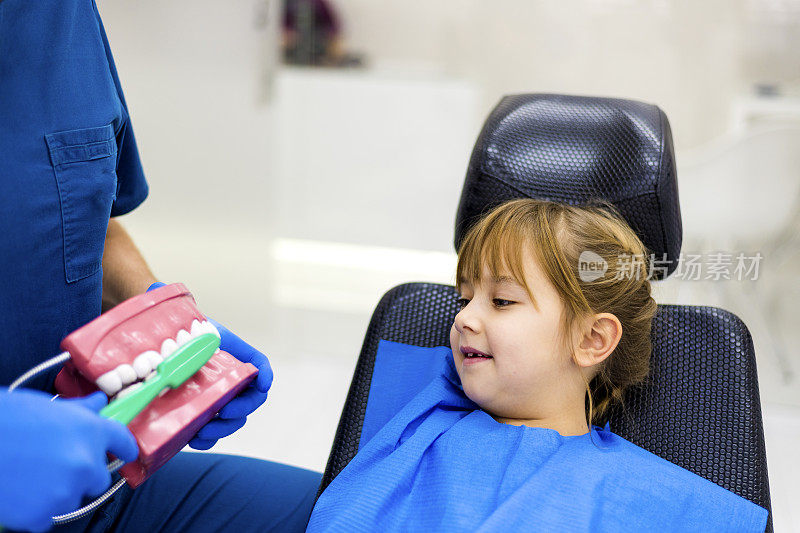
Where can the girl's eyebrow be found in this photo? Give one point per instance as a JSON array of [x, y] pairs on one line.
[[511, 283], [497, 280]]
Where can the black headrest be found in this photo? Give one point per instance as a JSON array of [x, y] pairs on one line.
[[573, 149]]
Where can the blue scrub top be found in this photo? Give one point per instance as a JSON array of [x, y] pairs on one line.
[[68, 162]]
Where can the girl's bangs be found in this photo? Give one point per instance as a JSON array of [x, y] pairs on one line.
[[496, 244]]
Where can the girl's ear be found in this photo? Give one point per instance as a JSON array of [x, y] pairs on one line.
[[602, 333]]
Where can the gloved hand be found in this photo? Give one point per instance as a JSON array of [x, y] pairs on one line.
[[233, 415], [52, 454]]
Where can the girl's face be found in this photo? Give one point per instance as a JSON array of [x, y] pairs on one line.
[[528, 374]]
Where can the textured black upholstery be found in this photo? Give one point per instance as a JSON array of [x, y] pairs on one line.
[[573, 149], [700, 407]]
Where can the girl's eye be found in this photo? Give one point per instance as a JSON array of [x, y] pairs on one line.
[[499, 302], [462, 302]]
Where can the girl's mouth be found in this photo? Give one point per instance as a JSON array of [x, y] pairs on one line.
[[475, 360], [473, 356]]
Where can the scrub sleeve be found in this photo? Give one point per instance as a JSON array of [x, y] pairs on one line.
[[68, 162]]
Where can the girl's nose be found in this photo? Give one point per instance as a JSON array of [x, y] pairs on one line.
[[468, 319]]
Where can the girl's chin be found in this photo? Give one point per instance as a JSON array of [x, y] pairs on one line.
[[477, 395]]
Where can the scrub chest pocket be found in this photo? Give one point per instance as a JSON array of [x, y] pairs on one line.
[[84, 162]]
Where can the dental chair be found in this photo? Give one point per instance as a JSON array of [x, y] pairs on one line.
[[700, 407]]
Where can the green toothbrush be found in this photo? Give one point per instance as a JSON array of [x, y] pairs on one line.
[[171, 372]]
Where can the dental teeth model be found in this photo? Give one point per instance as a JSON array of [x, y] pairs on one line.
[[125, 374], [122, 348]]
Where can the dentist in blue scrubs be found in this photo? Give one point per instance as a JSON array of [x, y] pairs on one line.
[[69, 166]]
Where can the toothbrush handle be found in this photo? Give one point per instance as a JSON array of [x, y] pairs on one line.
[[125, 409]]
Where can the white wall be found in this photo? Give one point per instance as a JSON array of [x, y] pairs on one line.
[[689, 57]]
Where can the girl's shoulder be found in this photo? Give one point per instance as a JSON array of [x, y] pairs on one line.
[[630, 469]]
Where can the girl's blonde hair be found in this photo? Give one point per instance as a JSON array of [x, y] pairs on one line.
[[557, 234]]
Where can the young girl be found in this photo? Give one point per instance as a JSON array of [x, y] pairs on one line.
[[554, 326]]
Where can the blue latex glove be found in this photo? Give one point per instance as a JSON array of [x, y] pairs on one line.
[[52, 454], [233, 415]]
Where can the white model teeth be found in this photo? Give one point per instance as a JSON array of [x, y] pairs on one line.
[[168, 348], [110, 382], [210, 328], [127, 390], [154, 357], [144, 364], [127, 373], [183, 337]]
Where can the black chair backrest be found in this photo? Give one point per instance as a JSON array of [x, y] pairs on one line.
[[700, 406], [575, 149]]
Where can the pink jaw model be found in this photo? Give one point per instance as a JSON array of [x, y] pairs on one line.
[[125, 344]]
